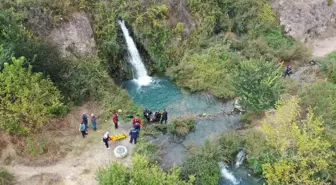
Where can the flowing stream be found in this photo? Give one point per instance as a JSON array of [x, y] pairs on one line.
[[157, 93]]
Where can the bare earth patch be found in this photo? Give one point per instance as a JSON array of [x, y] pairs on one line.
[[82, 158]]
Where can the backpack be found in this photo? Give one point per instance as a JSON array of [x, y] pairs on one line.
[[82, 127], [136, 122]]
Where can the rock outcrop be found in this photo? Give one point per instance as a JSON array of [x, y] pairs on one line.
[[74, 37], [305, 19]]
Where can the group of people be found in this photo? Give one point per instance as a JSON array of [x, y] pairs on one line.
[[136, 124], [84, 126], [157, 116]]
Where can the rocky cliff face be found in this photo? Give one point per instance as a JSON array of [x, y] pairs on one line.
[[74, 37], [306, 19]]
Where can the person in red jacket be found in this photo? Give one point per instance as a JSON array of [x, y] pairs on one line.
[[115, 119], [136, 122]]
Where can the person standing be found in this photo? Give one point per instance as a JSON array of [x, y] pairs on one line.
[[106, 139], [82, 129], [134, 133], [147, 114], [93, 122], [115, 119], [85, 121], [288, 70], [136, 122], [164, 116]]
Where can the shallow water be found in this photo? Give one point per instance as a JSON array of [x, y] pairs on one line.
[[162, 94]]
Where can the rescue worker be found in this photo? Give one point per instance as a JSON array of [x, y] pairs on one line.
[[134, 133], [147, 114], [94, 122], [136, 122], [106, 139], [288, 70], [82, 129], [164, 116], [85, 121], [157, 117], [115, 119]]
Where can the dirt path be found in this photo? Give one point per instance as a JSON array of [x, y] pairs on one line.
[[74, 169], [80, 165]]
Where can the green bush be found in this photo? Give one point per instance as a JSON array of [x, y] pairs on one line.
[[207, 70], [116, 174], [258, 84], [6, 178], [203, 163], [321, 97], [181, 126], [142, 173], [29, 98]]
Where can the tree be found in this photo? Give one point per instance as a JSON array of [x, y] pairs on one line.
[[304, 153], [27, 99], [142, 173], [258, 84]]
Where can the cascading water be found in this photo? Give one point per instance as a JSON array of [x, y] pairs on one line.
[[142, 78], [227, 174], [240, 158]]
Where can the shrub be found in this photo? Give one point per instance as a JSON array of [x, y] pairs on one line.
[[141, 173], [303, 151], [29, 98], [203, 163], [147, 149], [114, 174], [258, 84], [6, 178], [321, 97], [207, 70], [181, 126]]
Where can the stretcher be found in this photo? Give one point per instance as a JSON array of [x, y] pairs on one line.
[[117, 137]]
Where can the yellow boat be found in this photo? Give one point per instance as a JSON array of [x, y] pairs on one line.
[[117, 137]]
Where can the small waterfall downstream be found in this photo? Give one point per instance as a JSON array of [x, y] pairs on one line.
[[141, 78], [240, 158], [226, 174]]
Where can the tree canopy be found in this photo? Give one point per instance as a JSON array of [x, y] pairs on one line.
[[27, 99]]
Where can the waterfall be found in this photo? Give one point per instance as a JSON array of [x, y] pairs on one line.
[[142, 78], [240, 158], [227, 174]]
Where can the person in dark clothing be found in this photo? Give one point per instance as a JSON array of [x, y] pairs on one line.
[[86, 122], [115, 118], [164, 116], [158, 116], [288, 70], [134, 133], [82, 129], [106, 139], [147, 114]]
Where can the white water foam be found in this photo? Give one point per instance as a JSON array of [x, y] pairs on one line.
[[142, 78], [227, 174], [240, 158]]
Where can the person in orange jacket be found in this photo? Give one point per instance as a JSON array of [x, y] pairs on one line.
[[136, 122]]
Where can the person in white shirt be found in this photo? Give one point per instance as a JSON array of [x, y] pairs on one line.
[[106, 139]]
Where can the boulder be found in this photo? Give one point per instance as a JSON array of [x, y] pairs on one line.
[[74, 37], [305, 19]]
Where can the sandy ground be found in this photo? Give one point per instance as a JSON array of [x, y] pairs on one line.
[[79, 166]]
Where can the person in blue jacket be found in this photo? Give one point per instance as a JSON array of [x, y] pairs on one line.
[[134, 133]]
